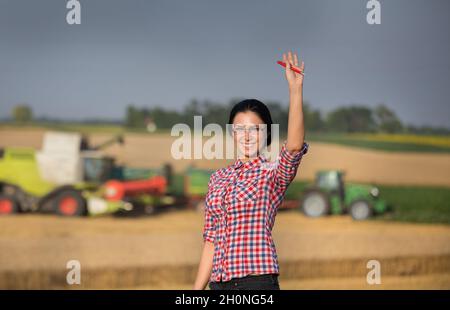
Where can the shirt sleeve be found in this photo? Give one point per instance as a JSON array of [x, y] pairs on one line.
[[209, 227], [287, 165]]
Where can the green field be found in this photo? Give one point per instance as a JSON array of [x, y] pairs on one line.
[[391, 143], [419, 204]]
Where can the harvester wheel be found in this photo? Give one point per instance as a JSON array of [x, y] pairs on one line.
[[8, 205], [360, 210], [70, 203], [315, 203]]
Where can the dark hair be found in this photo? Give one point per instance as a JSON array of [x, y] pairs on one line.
[[257, 107]]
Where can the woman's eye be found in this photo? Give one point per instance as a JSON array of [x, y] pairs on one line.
[[250, 129]]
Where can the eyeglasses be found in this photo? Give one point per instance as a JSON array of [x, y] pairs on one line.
[[253, 129]]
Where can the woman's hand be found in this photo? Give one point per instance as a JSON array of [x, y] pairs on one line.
[[295, 80], [205, 267]]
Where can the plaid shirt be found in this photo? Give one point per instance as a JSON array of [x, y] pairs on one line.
[[240, 209]]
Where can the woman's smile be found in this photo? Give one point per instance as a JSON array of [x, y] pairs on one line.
[[248, 144]]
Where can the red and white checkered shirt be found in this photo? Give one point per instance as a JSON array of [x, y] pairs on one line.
[[240, 209]]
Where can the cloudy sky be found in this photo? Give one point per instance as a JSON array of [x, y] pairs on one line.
[[167, 52]]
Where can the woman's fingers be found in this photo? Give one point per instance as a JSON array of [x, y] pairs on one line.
[[295, 60], [291, 60], [286, 61]]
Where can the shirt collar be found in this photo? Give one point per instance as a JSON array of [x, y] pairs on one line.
[[249, 163]]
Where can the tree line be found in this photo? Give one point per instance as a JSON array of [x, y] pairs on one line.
[[343, 119]]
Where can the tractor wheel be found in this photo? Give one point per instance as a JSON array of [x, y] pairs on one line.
[[8, 205], [315, 203], [70, 203], [360, 210]]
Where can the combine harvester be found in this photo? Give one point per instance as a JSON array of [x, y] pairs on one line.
[[70, 178]]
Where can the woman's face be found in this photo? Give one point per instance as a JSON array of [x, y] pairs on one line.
[[249, 133]]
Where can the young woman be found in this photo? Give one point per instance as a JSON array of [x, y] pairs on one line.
[[243, 198]]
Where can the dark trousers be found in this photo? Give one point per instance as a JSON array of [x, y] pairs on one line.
[[251, 282]]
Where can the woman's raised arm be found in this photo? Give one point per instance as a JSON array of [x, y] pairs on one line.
[[296, 130]]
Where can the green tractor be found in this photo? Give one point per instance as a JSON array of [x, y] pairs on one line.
[[329, 195]]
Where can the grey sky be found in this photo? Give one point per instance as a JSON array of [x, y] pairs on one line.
[[168, 52]]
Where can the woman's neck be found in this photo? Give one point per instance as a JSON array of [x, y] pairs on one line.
[[248, 158]]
